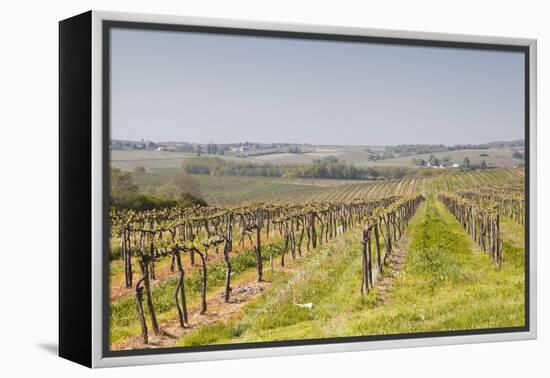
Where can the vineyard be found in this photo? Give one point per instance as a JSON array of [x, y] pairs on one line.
[[479, 212], [235, 190], [174, 269], [408, 186]]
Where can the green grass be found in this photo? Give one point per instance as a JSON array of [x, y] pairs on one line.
[[447, 284], [167, 170], [275, 316], [513, 232], [225, 190], [237, 190]]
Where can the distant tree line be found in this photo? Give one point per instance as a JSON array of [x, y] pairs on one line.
[[518, 155], [328, 167], [467, 165], [374, 156], [220, 167], [420, 149], [416, 149]]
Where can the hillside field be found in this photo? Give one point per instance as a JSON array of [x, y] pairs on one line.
[[234, 190], [164, 161], [437, 278]]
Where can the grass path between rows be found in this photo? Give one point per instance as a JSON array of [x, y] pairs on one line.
[[446, 284]]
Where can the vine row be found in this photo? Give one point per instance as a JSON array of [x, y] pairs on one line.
[[480, 217], [390, 223], [147, 236]]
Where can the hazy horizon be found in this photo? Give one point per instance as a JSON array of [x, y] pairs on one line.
[[312, 144], [181, 86]]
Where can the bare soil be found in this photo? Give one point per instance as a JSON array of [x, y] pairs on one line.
[[217, 310], [118, 289], [393, 268]]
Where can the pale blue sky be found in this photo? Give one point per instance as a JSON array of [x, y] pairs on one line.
[[181, 86]]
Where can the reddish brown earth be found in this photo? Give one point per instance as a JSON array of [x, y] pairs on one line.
[[217, 310], [393, 268], [162, 268]]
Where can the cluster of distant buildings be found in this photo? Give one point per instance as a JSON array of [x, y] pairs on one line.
[[243, 149], [133, 145], [443, 166]]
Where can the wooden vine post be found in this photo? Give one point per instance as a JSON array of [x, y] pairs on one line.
[[148, 236]]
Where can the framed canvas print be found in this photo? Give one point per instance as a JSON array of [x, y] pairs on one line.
[[233, 189]]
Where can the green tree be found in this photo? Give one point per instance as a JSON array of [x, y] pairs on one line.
[[434, 162], [330, 159], [419, 162], [122, 184], [517, 155], [181, 186]]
